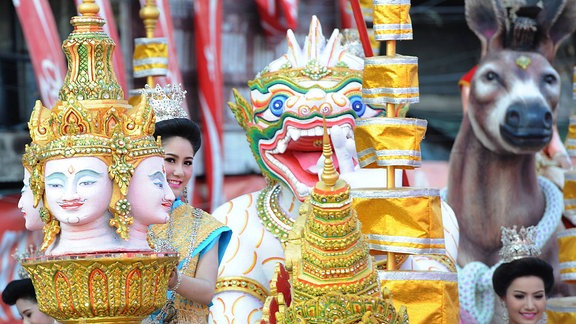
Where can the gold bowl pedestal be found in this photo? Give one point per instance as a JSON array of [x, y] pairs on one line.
[[123, 287]]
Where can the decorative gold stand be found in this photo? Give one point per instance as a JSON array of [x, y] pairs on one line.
[[101, 288]]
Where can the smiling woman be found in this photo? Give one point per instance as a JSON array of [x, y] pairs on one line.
[[523, 286], [197, 236]]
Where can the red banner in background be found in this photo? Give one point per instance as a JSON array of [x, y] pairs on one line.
[[346, 16], [44, 46], [277, 16], [13, 237], [208, 34], [110, 28]]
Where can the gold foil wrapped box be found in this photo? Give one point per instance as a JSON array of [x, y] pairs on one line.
[[150, 57], [390, 79], [561, 310], [392, 20], [382, 142], [567, 254], [430, 297], [401, 220]]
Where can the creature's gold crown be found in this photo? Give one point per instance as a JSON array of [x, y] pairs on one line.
[[518, 244], [167, 101], [318, 59]]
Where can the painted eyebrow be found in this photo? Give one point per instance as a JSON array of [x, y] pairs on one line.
[[87, 172], [81, 173], [55, 175], [158, 175]]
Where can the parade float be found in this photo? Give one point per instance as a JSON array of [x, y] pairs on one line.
[[410, 232], [92, 156]]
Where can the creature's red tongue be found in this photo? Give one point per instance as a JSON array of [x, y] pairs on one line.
[[308, 160]]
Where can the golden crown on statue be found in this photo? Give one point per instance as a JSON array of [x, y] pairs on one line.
[[90, 119]]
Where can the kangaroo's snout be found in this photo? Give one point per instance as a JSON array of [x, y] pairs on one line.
[[527, 125]]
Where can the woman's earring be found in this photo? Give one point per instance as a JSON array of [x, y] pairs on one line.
[[544, 318], [185, 195], [504, 315]]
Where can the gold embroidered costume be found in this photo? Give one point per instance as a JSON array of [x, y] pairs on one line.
[[191, 232]]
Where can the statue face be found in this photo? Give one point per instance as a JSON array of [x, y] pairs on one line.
[[78, 190], [26, 206], [149, 193]]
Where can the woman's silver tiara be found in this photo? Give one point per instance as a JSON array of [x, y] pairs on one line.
[[166, 101], [519, 244]]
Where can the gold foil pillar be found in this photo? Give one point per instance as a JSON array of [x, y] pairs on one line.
[[390, 81], [150, 53]]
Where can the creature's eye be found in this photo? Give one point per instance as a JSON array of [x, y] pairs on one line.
[[491, 76], [276, 105], [550, 79], [357, 105]]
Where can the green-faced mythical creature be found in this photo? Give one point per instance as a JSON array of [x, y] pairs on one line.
[[290, 98]]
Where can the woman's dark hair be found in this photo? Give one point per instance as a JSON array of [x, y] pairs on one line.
[[525, 267], [182, 127], [18, 289]]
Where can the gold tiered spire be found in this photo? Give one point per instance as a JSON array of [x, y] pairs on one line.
[[333, 276], [88, 50]]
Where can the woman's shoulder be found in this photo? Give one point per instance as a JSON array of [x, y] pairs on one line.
[[207, 218], [185, 211]]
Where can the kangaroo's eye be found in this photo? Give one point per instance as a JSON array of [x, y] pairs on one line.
[[491, 76], [550, 79]]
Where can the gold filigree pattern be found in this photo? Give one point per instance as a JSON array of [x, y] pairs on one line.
[[334, 307], [98, 286], [243, 284], [271, 214]]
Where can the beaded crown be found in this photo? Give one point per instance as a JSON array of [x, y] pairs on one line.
[[91, 119], [518, 244], [166, 101]]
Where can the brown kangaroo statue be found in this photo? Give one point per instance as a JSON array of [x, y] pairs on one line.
[[514, 94]]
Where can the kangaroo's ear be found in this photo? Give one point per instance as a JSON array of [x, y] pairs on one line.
[[487, 19], [558, 20]]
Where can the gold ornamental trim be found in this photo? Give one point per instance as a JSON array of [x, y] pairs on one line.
[[243, 284], [103, 287], [271, 214]]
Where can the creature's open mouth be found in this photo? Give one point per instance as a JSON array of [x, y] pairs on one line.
[[526, 138], [294, 152]]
